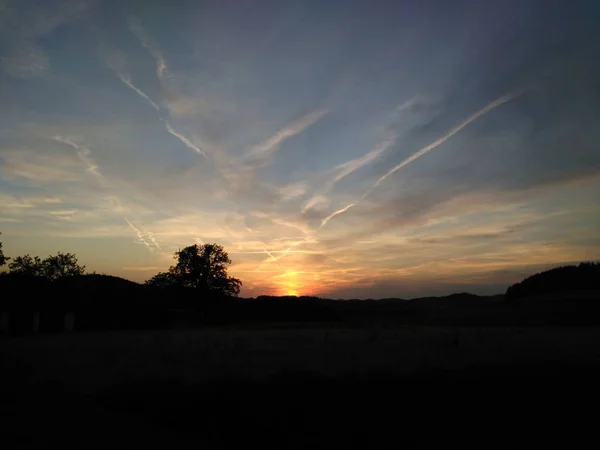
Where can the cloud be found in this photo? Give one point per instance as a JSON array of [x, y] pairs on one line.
[[15, 201], [116, 61], [22, 25], [267, 148], [140, 235], [179, 105], [161, 63], [389, 136], [315, 201], [292, 191], [496, 103], [84, 155], [490, 199], [343, 170], [189, 144], [48, 167], [26, 60]]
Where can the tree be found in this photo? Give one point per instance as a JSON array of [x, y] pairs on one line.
[[163, 280], [3, 259], [26, 265], [200, 267], [52, 268], [61, 265]]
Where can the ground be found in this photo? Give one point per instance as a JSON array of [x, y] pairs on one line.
[[324, 386]]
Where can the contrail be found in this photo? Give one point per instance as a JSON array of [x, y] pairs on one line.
[[297, 126], [387, 140], [500, 101], [349, 167], [140, 235], [153, 240], [126, 79], [340, 211], [84, 155], [189, 144], [440, 141]]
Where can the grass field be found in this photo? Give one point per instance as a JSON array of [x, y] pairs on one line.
[[275, 384]]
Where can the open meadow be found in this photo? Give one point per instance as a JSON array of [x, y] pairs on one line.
[[223, 385]]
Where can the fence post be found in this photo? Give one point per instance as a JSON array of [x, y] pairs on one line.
[[69, 321]]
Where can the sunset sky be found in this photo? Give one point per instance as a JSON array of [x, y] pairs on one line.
[[336, 148]]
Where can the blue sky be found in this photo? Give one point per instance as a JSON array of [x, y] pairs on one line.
[[339, 148]]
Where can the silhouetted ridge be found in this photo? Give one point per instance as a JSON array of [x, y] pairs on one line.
[[584, 277], [97, 281]]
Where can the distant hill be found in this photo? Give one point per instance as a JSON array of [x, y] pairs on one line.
[[102, 302], [584, 277], [98, 281]]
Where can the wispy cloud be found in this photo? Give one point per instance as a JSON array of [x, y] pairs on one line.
[[84, 155], [161, 64], [64, 213], [14, 201], [41, 168], [179, 105], [21, 29], [27, 60], [496, 103], [189, 144], [116, 62], [388, 139], [271, 145], [343, 170], [141, 237], [289, 147], [315, 201], [292, 191]]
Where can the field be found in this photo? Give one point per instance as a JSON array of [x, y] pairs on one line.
[[281, 385]]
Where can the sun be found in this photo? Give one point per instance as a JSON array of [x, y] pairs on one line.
[[290, 283]]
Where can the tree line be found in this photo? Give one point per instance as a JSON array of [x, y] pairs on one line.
[[203, 268], [582, 277]]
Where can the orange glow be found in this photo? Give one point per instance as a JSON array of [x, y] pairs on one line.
[[290, 283]]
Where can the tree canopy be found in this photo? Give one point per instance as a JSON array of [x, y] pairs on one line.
[[200, 267], [583, 277], [53, 267]]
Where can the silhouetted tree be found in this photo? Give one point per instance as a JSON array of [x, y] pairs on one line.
[[54, 267], [163, 280], [201, 267], [583, 277], [3, 259], [26, 265], [61, 265]]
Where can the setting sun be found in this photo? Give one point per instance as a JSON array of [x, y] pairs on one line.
[[290, 283]]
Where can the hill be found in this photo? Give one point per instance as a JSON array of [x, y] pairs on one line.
[[584, 277]]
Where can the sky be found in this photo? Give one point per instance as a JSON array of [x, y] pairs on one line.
[[348, 149]]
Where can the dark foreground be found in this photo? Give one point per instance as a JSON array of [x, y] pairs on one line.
[[302, 388]]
